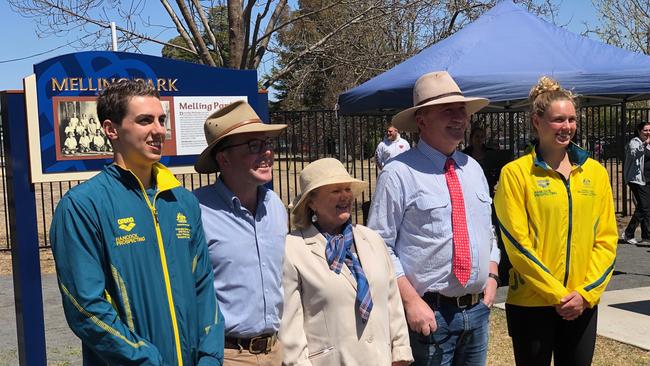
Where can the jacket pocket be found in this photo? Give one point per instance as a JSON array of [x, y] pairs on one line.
[[325, 357]]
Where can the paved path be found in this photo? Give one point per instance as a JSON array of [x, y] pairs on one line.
[[632, 272], [624, 315]]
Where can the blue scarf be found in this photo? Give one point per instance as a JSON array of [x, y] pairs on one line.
[[338, 252]]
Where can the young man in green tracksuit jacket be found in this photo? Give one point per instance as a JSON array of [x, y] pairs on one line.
[[130, 252]]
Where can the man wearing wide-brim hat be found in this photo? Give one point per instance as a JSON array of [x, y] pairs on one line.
[[245, 226], [432, 207]]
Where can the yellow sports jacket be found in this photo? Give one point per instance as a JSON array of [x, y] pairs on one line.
[[560, 235]]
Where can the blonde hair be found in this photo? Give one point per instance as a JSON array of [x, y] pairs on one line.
[[301, 217], [545, 92]]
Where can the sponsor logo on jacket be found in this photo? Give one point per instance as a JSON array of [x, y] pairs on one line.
[[544, 184], [127, 224], [182, 227]]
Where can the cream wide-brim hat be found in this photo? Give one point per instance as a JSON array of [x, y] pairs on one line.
[[233, 119], [320, 173], [432, 89]]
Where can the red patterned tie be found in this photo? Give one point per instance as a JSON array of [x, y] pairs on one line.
[[462, 263]]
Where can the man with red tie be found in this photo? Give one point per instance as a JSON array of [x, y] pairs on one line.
[[432, 207]]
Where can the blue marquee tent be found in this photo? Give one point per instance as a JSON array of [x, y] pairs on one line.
[[500, 56]]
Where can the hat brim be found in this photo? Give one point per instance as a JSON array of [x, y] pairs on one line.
[[405, 120], [299, 205], [206, 163]]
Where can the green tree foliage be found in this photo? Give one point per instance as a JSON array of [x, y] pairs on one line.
[[367, 38]]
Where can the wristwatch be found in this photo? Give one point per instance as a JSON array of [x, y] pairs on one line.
[[496, 278]]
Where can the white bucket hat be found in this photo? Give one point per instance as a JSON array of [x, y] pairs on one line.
[[431, 89], [322, 172]]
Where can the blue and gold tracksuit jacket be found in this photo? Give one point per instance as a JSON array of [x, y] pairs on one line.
[[560, 234], [134, 272]]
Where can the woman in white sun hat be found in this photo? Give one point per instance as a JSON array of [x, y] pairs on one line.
[[341, 304]]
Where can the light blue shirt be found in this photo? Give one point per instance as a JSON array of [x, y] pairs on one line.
[[411, 210], [247, 257]]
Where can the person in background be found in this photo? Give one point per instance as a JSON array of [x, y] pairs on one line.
[[99, 144], [477, 148], [92, 126], [130, 254], [432, 208], [245, 226], [84, 142], [70, 144], [557, 219], [341, 301], [636, 171], [390, 147]]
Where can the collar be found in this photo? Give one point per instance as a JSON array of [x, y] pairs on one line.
[[577, 156], [438, 158], [163, 177], [233, 201]]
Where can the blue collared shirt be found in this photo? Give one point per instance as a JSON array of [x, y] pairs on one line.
[[411, 210], [247, 257]]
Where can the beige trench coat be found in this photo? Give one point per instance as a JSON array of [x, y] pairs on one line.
[[320, 322]]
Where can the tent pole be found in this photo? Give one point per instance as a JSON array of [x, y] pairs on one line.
[[622, 143]]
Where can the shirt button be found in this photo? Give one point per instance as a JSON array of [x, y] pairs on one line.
[[370, 339]]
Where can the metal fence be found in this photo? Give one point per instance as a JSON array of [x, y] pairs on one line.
[[312, 135]]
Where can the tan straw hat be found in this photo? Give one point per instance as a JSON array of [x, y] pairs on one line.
[[321, 173], [236, 118], [435, 88]]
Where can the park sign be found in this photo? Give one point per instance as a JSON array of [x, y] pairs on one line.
[[66, 141]]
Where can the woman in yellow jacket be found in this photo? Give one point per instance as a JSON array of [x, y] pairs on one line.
[[556, 214]]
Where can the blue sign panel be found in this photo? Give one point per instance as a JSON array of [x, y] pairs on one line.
[[71, 138]]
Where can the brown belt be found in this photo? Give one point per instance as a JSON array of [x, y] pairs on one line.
[[434, 299], [260, 344]]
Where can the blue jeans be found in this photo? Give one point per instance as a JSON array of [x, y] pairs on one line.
[[461, 337]]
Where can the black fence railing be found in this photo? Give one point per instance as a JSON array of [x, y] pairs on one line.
[[312, 135]]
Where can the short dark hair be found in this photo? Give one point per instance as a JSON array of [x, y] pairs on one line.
[[640, 125], [113, 102], [475, 129]]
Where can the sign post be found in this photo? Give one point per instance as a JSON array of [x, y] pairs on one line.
[[28, 297]]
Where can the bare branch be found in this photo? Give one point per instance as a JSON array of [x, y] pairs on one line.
[[79, 17], [260, 46], [204, 52], [208, 30], [314, 46], [179, 26]]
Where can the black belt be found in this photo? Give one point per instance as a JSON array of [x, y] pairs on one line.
[[434, 299], [260, 344]]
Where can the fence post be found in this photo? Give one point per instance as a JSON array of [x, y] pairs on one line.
[[511, 131], [28, 297], [623, 138], [342, 144]]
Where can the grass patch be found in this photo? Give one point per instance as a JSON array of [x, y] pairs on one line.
[[608, 352]]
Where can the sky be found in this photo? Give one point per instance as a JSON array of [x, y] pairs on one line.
[[20, 40]]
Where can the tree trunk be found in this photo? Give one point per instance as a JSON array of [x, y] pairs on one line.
[[235, 33]]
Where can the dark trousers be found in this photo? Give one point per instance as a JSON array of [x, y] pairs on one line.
[[539, 332], [641, 212]]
